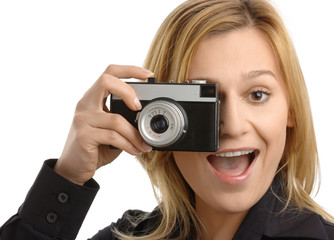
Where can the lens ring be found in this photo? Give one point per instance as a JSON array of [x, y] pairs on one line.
[[161, 110]]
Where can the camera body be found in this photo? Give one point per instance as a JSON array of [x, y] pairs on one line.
[[175, 116]]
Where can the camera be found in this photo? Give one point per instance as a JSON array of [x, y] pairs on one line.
[[175, 116]]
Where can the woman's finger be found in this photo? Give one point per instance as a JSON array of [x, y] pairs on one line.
[[112, 137], [117, 123], [108, 84], [127, 71]]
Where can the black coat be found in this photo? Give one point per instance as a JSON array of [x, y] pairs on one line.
[[55, 209]]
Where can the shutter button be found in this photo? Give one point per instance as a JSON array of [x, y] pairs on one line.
[[51, 217], [63, 198]]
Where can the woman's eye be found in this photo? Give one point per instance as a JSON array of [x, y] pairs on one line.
[[259, 96]]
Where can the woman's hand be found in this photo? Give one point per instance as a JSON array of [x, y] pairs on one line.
[[94, 128]]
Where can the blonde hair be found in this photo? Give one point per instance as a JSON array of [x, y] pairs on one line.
[[169, 58]]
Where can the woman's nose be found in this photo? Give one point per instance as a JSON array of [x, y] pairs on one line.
[[233, 118]]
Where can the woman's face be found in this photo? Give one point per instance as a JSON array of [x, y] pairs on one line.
[[253, 122]]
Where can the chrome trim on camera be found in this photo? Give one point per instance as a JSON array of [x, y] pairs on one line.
[[178, 92]]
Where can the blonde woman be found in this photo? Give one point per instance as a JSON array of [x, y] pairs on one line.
[[257, 185]]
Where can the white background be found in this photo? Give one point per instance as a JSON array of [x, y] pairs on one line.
[[51, 52]]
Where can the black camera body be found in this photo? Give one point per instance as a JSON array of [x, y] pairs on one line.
[[175, 116]]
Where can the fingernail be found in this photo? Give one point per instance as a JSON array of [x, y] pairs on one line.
[[137, 103], [137, 152], [147, 147], [148, 71]]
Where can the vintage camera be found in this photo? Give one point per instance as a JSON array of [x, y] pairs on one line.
[[175, 116]]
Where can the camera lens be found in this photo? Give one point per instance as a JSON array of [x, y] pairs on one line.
[[159, 124], [162, 122]]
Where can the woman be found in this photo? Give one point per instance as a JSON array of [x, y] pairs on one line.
[[256, 186]]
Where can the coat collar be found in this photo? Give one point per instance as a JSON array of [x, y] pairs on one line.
[[266, 219]]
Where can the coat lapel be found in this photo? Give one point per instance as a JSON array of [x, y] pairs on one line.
[[266, 221]]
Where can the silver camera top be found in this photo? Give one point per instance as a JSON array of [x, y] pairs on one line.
[[196, 91]]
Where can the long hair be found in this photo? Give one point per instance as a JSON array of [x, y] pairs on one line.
[[169, 58]]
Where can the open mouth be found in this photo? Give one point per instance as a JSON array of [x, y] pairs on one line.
[[233, 163]]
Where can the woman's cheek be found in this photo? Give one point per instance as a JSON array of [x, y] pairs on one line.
[[272, 129]]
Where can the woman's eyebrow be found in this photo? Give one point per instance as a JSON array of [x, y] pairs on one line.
[[256, 73], [247, 76]]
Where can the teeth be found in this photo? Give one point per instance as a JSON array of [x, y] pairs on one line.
[[234, 154]]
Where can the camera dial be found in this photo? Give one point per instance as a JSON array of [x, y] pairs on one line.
[[162, 122]]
